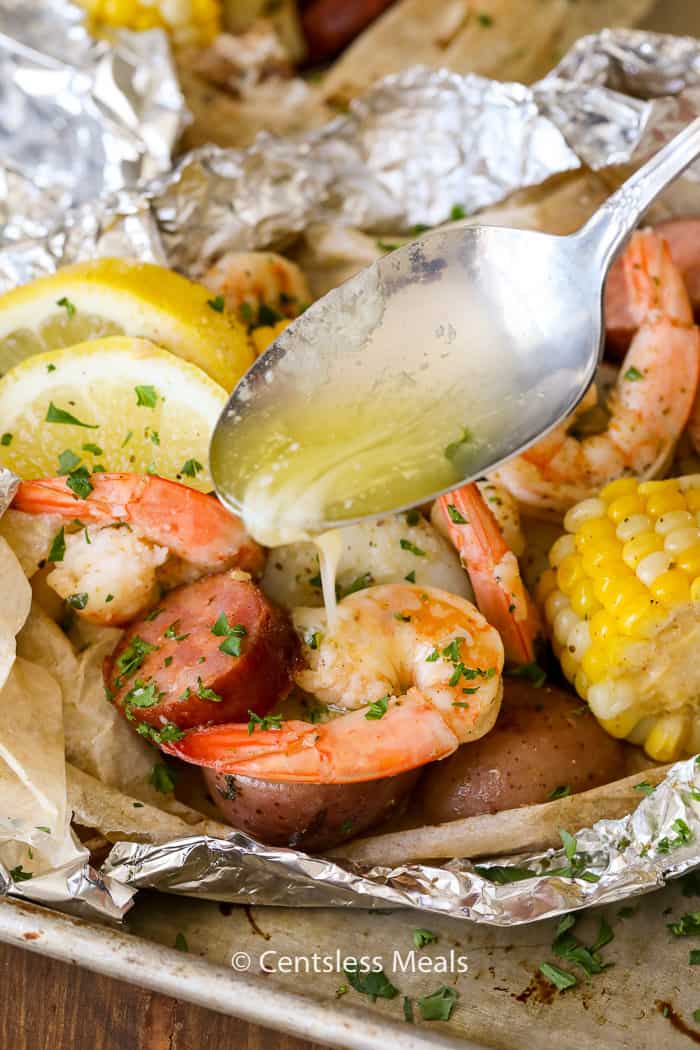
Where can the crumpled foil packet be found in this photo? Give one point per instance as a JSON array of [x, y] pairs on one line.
[[413, 147], [612, 860]]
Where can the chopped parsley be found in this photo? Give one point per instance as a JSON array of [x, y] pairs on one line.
[[374, 983], [402, 617], [144, 694], [205, 693], [439, 1005], [162, 778], [67, 461], [501, 875], [694, 957], [644, 787], [191, 467], [153, 437], [433, 656], [387, 246], [127, 439], [152, 614], [455, 516], [59, 415], [131, 658], [146, 396], [412, 517], [341, 990], [267, 722], [217, 304], [18, 874], [406, 545], [422, 937], [633, 374], [78, 481], [70, 307], [232, 635], [90, 447], [57, 549], [77, 601], [410, 577], [377, 709], [458, 211], [561, 979], [268, 316], [562, 791], [681, 838], [50, 367], [687, 926], [407, 1010], [359, 584], [181, 942], [530, 672], [6, 439], [314, 640], [171, 632], [165, 734]]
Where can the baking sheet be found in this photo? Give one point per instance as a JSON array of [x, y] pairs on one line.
[[637, 1003]]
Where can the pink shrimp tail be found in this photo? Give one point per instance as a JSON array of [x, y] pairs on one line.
[[346, 750], [485, 554]]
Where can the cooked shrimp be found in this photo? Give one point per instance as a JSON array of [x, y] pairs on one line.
[[493, 570], [649, 407], [254, 279], [136, 534], [429, 681]]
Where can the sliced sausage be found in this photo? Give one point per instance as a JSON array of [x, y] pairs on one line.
[[683, 239], [544, 740], [306, 816], [170, 666]]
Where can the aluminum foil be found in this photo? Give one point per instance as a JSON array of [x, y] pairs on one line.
[[416, 145]]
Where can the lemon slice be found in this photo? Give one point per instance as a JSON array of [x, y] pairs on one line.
[[117, 404], [115, 297]]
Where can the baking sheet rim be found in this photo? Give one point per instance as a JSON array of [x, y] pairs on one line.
[[126, 957]]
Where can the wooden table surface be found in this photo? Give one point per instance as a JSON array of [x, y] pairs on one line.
[[48, 1005]]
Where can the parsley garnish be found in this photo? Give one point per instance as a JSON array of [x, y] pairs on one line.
[[171, 632], [501, 875], [633, 374], [644, 787], [217, 303], [77, 601], [78, 481], [407, 1010], [6, 439], [57, 549], [268, 722], [205, 693], [377, 708], [67, 461], [268, 316], [191, 467], [375, 983], [59, 415], [127, 439], [530, 672], [412, 516], [146, 396], [163, 735], [162, 778], [422, 937], [359, 584], [406, 545], [681, 838], [314, 640], [129, 661], [70, 307], [95, 449], [144, 694], [687, 926], [561, 979], [410, 577], [18, 874], [455, 516], [458, 212], [562, 791], [231, 634], [439, 1005], [455, 447], [181, 942]]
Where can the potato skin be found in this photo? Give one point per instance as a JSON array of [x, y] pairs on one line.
[[310, 817], [543, 739]]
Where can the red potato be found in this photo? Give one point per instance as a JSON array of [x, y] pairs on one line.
[[544, 739], [329, 25], [181, 664], [683, 239], [306, 816]]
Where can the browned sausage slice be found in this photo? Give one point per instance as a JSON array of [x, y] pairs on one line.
[[210, 652]]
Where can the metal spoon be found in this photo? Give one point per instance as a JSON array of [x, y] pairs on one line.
[[516, 316]]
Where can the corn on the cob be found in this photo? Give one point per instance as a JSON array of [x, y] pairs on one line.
[[187, 21], [622, 598]]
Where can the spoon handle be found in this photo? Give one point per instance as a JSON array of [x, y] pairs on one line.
[[608, 229]]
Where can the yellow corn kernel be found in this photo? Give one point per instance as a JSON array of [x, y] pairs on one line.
[[622, 724], [594, 555], [545, 585], [689, 561], [625, 591], [602, 626], [651, 488], [569, 665], [692, 499], [581, 684], [583, 599], [621, 487], [580, 512], [695, 590], [675, 519], [624, 507], [561, 548], [665, 741], [671, 588], [640, 547], [633, 526], [595, 663], [569, 572], [638, 617], [659, 503], [593, 530]]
